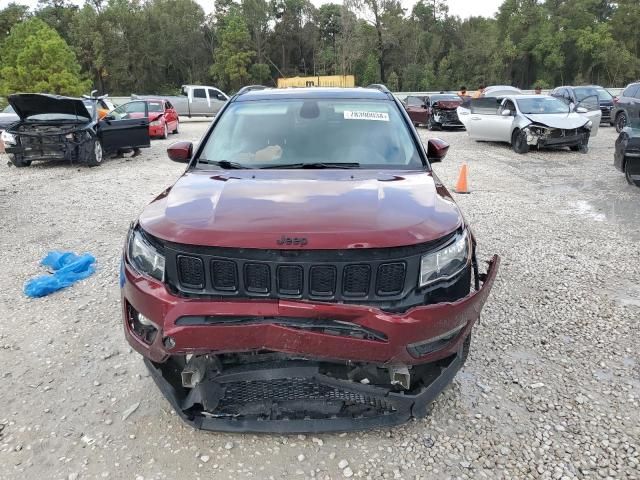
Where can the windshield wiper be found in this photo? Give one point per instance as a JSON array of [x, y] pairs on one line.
[[226, 164], [316, 165]]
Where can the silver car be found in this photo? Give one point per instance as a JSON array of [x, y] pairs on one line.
[[527, 121]]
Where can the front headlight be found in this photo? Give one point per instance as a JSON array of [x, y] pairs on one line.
[[145, 257], [8, 138], [446, 262], [589, 124], [155, 123]]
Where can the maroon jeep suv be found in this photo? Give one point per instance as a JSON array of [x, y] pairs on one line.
[[308, 272]]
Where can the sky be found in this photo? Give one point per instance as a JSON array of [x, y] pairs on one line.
[[462, 8]]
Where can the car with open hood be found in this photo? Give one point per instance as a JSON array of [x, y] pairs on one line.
[[313, 274], [527, 121], [58, 127]]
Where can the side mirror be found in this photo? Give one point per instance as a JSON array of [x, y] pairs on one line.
[[437, 150], [180, 152], [108, 117], [506, 113], [581, 110]]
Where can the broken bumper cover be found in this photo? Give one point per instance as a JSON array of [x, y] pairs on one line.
[[295, 395]]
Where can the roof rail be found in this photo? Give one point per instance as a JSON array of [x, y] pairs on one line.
[[249, 88], [379, 86]]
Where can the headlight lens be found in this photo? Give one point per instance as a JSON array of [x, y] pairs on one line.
[[446, 262], [8, 138], [145, 257]]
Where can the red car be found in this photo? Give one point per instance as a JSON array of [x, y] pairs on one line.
[[163, 118], [309, 275], [435, 111]]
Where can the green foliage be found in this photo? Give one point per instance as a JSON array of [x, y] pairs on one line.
[[260, 73], [35, 58], [233, 56], [393, 82], [371, 72]]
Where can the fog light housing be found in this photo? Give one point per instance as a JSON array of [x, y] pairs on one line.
[[420, 349], [141, 326]]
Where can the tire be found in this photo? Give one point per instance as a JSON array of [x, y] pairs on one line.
[[621, 121], [582, 148], [18, 160], [175, 131], [627, 175], [96, 155], [165, 131], [466, 348], [519, 142]]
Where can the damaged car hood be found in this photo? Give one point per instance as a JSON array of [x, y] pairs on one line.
[[29, 104], [330, 209], [564, 121]]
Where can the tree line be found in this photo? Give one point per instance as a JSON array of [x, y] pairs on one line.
[[154, 46]]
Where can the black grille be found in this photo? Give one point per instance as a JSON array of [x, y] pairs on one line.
[[390, 278], [290, 279], [356, 280], [322, 280], [257, 277], [191, 271], [239, 395], [224, 275]]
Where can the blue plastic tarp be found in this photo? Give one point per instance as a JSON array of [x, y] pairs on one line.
[[67, 268]]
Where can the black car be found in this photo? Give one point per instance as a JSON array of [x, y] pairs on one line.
[[7, 117], [57, 127], [588, 96], [627, 107], [627, 154]]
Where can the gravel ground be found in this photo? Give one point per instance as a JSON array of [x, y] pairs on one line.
[[551, 389]]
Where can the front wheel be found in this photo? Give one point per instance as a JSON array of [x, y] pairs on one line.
[[621, 121], [18, 160], [175, 131], [582, 148], [96, 154], [165, 132], [519, 142]]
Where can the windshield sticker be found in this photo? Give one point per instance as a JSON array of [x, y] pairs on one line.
[[360, 115]]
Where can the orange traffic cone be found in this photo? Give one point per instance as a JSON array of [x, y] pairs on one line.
[[461, 184]]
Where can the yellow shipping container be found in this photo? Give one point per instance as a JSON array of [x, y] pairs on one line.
[[320, 81]]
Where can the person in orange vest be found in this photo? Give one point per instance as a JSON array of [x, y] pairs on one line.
[[480, 91]]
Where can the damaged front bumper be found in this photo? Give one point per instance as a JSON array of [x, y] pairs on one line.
[[543, 136], [292, 379]]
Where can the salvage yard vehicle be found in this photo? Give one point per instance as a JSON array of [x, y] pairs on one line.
[[528, 120], [163, 118], [627, 154], [7, 117], [57, 127], [627, 106], [194, 101], [310, 275], [591, 97], [435, 111]]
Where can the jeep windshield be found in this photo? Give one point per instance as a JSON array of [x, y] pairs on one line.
[[311, 133]]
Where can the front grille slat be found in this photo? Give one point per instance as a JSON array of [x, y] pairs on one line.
[[322, 280], [224, 275], [356, 280], [390, 278], [290, 279], [257, 278], [191, 271]]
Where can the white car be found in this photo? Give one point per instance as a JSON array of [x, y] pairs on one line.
[[527, 121]]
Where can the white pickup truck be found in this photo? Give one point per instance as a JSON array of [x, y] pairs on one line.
[[195, 100]]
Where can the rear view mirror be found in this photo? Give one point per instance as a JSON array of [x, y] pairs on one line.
[[180, 151], [436, 149]]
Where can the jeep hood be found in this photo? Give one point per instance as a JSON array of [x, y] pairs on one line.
[[555, 120], [29, 104], [332, 209]]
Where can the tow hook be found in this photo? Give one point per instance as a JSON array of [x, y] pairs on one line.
[[400, 376], [196, 369]]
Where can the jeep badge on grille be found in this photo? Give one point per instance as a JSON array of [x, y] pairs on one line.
[[292, 241]]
